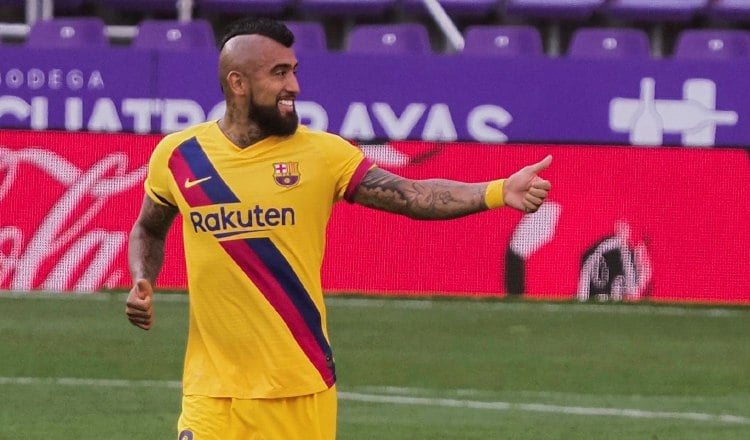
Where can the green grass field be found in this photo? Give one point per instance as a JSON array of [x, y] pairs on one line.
[[72, 367]]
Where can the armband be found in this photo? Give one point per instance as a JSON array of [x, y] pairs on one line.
[[493, 195]]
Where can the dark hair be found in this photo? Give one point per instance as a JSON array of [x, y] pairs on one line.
[[272, 29]]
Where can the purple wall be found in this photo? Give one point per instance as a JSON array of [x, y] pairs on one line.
[[367, 97]]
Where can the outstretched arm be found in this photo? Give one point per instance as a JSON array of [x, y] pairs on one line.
[[440, 199], [145, 258]]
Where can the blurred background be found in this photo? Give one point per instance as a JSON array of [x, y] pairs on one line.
[[644, 105], [448, 23], [618, 310]]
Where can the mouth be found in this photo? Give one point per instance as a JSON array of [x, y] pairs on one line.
[[286, 104]]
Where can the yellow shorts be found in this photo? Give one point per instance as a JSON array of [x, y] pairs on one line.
[[311, 417]]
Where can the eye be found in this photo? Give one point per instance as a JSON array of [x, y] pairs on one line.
[[283, 72]]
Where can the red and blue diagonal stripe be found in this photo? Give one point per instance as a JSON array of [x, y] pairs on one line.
[[269, 270], [190, 163]]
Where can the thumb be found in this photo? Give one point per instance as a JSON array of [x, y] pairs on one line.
[[144, 290], [541, 165]]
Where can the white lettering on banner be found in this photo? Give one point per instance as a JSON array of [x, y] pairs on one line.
[[484, 123], [14, 106], [312, 115], [39, 113], [694, 116], [14, 78], [217, 112], [175, 114], [142, 110], [398, 127], [357, 123], [180, 114], [35, 79], [53, 79], [36, 110], [87, 252], [73, 114], [104, 116], [439, 125]]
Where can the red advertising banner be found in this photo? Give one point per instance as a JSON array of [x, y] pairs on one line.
[[622, 223], [626, 222], [67, 203]]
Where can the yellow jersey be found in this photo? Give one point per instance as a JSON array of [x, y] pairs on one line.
[[254, 223]]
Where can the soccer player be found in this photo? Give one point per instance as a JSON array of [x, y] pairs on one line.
[[255, 191]]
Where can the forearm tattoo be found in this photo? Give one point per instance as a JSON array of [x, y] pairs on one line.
[[146, 246], [432, 199]]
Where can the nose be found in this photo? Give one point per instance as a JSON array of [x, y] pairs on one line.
[[292, 84]]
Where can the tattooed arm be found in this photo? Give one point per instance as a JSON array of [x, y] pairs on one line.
[[432, 199], [439, 199], [146, 247], [145, 258]]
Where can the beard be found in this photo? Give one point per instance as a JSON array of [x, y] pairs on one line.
[[270, 119]]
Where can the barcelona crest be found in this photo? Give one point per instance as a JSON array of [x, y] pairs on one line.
[[286, 173]]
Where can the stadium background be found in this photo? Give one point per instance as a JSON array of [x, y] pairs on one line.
[[641, 206], [661, 198]]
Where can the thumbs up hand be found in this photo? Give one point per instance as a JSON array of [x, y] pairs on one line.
[[525, 190]]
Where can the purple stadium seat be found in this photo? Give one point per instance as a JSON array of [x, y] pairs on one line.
[[245, 7], [174, 35], [553, 9], [404, 38], [457, 8], [309, 36], [729, 10], [609, 43], [346, 8], [656, 10], [68, 33], [488, 40], [729, 44]]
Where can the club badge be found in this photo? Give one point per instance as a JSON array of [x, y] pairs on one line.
[[286, 173]]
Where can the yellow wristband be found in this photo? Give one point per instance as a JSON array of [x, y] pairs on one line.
[[493, 195]]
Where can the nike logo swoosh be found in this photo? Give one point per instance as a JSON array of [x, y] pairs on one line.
[[191, 183]]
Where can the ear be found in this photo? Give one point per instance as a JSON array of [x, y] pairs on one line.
[[236, 82]]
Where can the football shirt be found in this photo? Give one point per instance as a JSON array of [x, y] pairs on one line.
[[254, 223]]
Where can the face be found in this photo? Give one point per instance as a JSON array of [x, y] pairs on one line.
[[274, 89]]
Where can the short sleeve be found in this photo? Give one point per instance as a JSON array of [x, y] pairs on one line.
[[159, 178], [348, 164]]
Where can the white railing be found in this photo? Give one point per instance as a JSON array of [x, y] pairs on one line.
[[446, 25]]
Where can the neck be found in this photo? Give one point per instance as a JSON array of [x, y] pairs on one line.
[[242, 131]]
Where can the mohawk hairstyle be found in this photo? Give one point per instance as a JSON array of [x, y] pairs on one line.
[[272, 29]]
